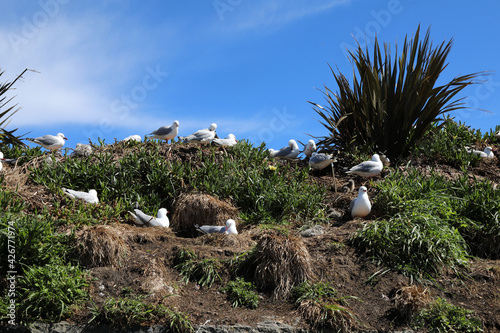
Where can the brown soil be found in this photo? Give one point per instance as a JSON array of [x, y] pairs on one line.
[[147, 268]]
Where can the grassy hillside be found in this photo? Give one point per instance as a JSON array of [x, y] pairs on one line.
[[427, 256]]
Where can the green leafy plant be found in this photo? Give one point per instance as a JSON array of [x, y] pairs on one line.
[[392, 103], [414, 243], [127, 312], [203, 271], [242, 293], [321, 307], [441, 316], [7, 137], [50, 292]]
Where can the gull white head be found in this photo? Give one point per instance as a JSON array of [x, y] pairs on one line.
[[231, 136], [62, 136], [362, 190], [293, 144], [231, 227], [162, 213], [375, 158], [212, 127], [175, 124]]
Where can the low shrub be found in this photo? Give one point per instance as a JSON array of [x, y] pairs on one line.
[[241, 293]]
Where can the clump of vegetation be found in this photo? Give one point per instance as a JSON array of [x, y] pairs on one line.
[[392, 104], [52, 291], [446, 142], [321, 307], [441, 316], [277, 264], [127, 312], [419, 245], [100, 246], [409, 300], [202, 271], [242, 293]]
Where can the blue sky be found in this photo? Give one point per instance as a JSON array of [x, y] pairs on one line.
[[114, 68]]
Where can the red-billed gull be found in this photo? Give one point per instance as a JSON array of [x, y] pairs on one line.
[[90, 196], [202, 136], [290, 152], [361, 206], [319, 161], [143, 219], [487, 153], [310, 148], [230, 141], [368, 168], [134, 137], [229, 228], [50, 142], [166, 132]]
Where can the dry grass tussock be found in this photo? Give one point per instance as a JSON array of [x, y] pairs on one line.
[[334, 316], [100, 245], [409, 300], [282, 262], [201, 209]]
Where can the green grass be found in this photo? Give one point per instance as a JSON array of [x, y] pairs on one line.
[[441, 316], [146, 177], [241, 293], [51, 292], [127, 312], [202, 271]]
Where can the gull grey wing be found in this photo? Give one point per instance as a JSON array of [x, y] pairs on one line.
[[164, 130], [365, 166], [143, 218], [351, 205], [283, 152], [211, 229], [47, 140]]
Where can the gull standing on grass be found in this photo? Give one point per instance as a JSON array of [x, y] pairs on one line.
[[202, 136], [360, 206], [230, 228], [310, 148], [143, 219], [90, 197], [368, 168], [290, 152], [50, 142], [166, 132]]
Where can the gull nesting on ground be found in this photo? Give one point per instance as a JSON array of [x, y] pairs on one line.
[[161, 220], [368, 168], [202, 136], [82, 150], [90, 196], [349, 187], [166, 132], [290, 152], [487, 153], [310, 148], [320, 161], [230, 141], [50, 142], [361, 206], [134, 137], [229, 228]]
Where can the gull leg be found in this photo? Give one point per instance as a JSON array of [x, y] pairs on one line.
[[334, 180]]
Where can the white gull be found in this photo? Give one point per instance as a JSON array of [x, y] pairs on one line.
[[230, 141], [90, 196], [50, 142], [319, 161], [368, 168], [361, 206], [229, 228], [161, 220], [310, 148], [134, 137], [487, 153], [202, 136], [290, 152], [166, 132]]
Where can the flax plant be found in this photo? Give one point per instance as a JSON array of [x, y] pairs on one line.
[[392, 101]]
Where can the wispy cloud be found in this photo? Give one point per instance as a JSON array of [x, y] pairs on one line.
[[270, 14]]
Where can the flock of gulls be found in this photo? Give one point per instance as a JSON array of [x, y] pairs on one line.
[[359, 207]]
